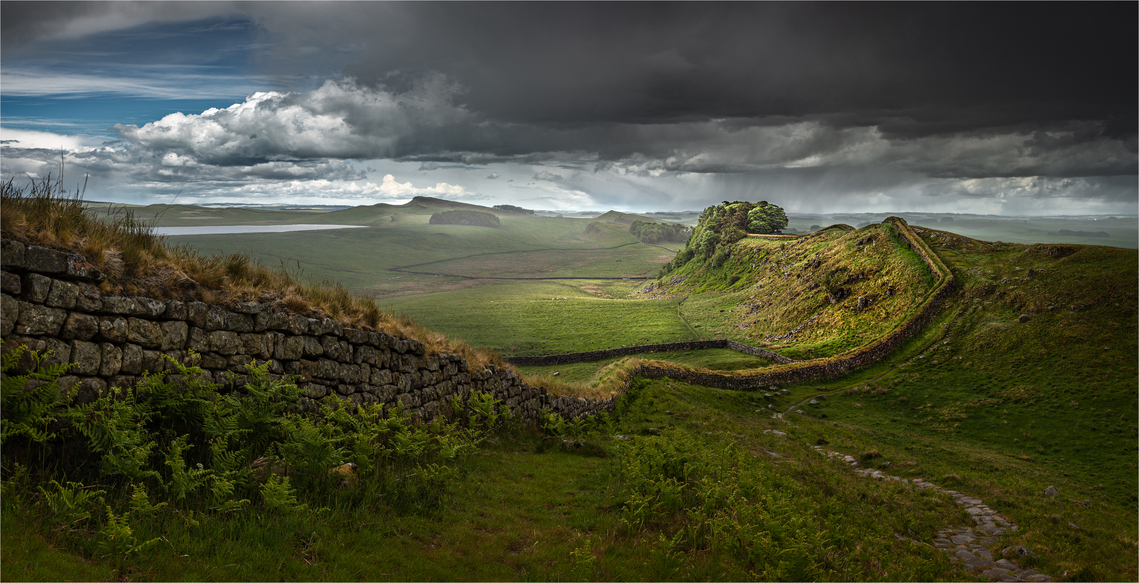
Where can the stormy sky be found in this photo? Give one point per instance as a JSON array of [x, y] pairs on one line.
[[1012, 108]]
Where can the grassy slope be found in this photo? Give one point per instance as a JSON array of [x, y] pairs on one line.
[[767, 288]]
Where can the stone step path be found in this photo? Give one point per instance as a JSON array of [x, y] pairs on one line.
[[972, 545]]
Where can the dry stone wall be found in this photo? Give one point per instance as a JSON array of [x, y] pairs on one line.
[[51, 302], [595, 355]]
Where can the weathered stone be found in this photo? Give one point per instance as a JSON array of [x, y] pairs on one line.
[[12, 254], [196, 314], [132, 359], [80, 326], [90, 299], [174, 335], [257, 345], [150, 308], [213, 361], [9, 314], [215, 318], [121, 305], [197, 340], [239, 362], [381, 376], [62, 295], [10, 283], [79, 268], [249, 307], [57, 351], [110, 359], [36, 320], [176, 310], [86, 356], [290, 348], [312, 346], [314, 391], [36, 287], [144, 333], [235, 322], [327, 369], [152, 361], [298, 325], [45, 260], [225, 342], [1051, 491]]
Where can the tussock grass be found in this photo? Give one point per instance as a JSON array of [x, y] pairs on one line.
[[138, 262]]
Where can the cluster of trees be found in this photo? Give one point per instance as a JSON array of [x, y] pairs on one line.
[[472, 218], [720, 226], [513, 209], [659, 232]]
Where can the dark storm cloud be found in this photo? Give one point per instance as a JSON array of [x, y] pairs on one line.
[[925, 68]]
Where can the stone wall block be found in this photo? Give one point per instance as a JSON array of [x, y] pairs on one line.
[[330, 346], [79, 268], [37, 320], [12, 254], [62, 295], [121, 305], [381, 376], [363, 354], [213, 361], [215, 318], [225, 342], [80, 326], [9, 314], [314, 391], [36, 287], [236, 322], [152, 361], [257, 345], [432, 363], [277, 320], [86, 356], [297, 325], [312, 346], [250, 308], [132, 359], [144, 333], [113, 328], [176, 310], [327, 369], [45, 260], [197, 340], [110, 359], [355, 336], [406, 363], [333, 327], [239, 363], [174, 335], [10, 283], [196, 314], [150, 308], [291, 348], [90, 299]]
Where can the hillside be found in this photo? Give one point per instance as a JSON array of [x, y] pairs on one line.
[[1020, 391]]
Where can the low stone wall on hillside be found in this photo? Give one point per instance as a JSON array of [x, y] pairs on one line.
[[595, 355], [50, 302]]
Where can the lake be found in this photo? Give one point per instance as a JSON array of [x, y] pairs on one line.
[[241, 229]]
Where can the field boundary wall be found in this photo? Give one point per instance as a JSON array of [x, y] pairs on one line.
[[51, 302]]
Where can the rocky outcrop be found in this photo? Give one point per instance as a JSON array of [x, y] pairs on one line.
[[51, 303]]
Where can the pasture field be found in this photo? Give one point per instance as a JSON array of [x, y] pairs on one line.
[[520, 318]]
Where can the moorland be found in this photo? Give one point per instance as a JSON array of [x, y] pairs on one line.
[[1024, 379]]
